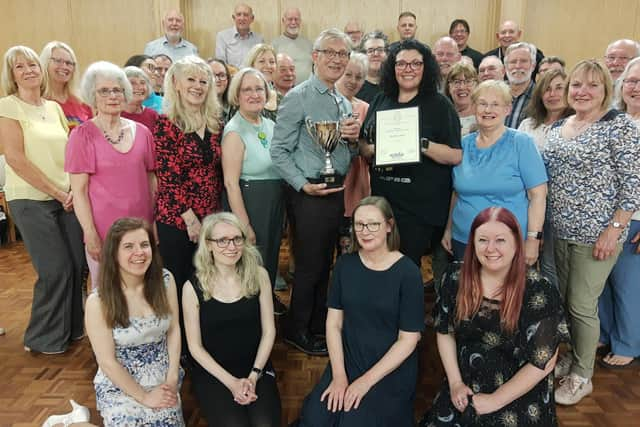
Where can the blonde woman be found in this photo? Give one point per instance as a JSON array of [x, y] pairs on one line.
[[228, 316], [262, 57]]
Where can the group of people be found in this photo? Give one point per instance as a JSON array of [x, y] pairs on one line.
[[177, 174]]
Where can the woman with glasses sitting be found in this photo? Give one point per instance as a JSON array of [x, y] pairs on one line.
[[228, 317], [374, 323]]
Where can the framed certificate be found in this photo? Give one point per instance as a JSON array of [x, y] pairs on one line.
[[397, 137]]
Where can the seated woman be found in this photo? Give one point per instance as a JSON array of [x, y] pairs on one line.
[[500, 166], [498, 329], [462, 79], [132, 323], [375, 318], [141, 90], [228, 318]]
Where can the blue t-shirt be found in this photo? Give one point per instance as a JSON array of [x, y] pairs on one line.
[[499, 175], [154, 102]]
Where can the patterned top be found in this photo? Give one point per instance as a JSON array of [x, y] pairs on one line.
[[189, 173], [591, 176]]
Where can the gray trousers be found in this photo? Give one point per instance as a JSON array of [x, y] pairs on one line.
[[53, 239]]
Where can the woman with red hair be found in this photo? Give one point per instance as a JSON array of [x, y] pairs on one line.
[[498, 329]]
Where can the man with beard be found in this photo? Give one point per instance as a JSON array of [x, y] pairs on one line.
[[375, 45], [294, 44], [354, 30], [520, 61], [171, 44], [618, 55], [446, 52]]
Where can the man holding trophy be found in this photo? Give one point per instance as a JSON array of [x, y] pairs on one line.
[[314, 140]]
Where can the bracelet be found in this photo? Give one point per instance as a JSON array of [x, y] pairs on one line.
[[257, 371], [535, 234]]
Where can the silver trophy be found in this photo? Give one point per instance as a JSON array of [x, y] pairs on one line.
[[327, 135]]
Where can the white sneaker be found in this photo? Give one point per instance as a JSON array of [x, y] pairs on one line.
[[572, 389], [563, 367]]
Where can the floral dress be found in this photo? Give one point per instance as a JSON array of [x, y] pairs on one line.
[[488, 357]]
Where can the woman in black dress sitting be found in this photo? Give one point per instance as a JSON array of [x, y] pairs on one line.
[[498, 329], [228, 317], [376, 309]]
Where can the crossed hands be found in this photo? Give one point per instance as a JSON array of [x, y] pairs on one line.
[[243, 391], [342, 396]]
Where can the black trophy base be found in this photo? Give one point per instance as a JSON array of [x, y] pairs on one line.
[[331, 180]]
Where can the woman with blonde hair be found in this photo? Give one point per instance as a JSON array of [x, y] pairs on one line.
[[228, 316], [262, 57], [187, 139], [59, 70]]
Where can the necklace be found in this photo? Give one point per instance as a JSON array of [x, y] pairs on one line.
[[112, 141], [262, 136]]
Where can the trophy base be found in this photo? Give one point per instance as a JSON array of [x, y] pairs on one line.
[[331, 180]]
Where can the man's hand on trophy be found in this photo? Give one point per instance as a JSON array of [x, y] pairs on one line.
[[319, 189], [350, 128]]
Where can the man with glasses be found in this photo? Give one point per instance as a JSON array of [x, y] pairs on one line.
[[459, 31], [163, 62], [233, 44], [375, 44], [171, 44], [294, 44], [491, 68], [618, 55], [520, 62], [317, 210], [354, 30], [447, 54]]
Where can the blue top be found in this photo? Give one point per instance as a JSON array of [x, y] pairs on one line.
[[295, 155], [256, 164], [499, 175], [154, 101], [175, 52]]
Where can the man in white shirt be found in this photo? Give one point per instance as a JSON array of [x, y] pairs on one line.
[[294, 44]]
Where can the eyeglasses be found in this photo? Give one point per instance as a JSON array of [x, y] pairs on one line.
[[343, 54], [260, 90], [612, 58], [220, 77], [414, 65], [224, 242], [376, 51], [459, 83], [152, 68], [60, 61], [486, 106], [630, 83], [105, 91], [371, 227]]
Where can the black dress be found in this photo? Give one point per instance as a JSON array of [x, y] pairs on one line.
[[376, 305], [489, 357], [231, 333]]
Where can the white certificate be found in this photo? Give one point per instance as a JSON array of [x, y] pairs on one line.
[[397, 137]]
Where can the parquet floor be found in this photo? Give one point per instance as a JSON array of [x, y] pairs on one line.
[[32, 387]]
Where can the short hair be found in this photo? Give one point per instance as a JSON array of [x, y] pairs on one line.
[[105, 70], [457, 22], [626, 41], [331, 34], [498, 86], [622, 105], [374, 35], [9, 85], [536, 109], [226, 70], [162, 55], [430, 74], [383, 205], [137, 60], [552, 60], [595, 68], [45, 57], [112, 299], [172, 104], [459, 69], [446, 39], [235, 8], [255, 52], [236, 83], [361, 60], [533, 51], [247, 267], [137, 72], [407, 14]]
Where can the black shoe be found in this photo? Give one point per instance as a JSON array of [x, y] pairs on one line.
[[278, 306], [306, 343]]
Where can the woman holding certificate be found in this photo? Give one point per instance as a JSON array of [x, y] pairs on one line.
[[419, 192]]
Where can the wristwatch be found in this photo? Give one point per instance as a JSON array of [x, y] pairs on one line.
[[257, 371], [617, 225], [424, 143], [535, 234]]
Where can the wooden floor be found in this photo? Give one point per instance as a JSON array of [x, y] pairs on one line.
[[32, 387]]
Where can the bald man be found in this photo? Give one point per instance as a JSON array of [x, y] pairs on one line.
[[171, 44], [354, 30], [233, 44], [284, 77], [509, 33], [294, 44], [446, 52], [618, 55]]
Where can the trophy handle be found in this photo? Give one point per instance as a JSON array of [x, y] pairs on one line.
[[310, 128]]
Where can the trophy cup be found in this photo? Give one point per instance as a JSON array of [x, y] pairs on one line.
[[327, 135]]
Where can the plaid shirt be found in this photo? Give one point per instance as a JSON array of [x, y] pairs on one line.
[[518, 107]]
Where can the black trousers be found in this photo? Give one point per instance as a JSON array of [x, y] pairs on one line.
[[317, 220]]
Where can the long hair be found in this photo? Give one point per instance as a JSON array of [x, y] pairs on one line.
[[114, 303], [45, 57], [7, 81], [393, 237], [173, 106], [247, 266], [536, 109], [430, 73], [469, 295]]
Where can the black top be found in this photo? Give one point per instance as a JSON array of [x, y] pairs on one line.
[[475, 56], [488, 357], [368, 91], [230, 332], [421, 190]]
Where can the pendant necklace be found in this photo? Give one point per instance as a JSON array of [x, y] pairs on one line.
[[117, 140]]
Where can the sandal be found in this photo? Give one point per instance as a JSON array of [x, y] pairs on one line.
[[634, 362]]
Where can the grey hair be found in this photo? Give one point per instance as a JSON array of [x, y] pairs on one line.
[[331, 34], [533, 51], [105, 70], [445, 39], [45, 57], [621, 104], [360, 59], [234, 86], [137, 72], [374, 35], [8, 82], [635, 44]]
